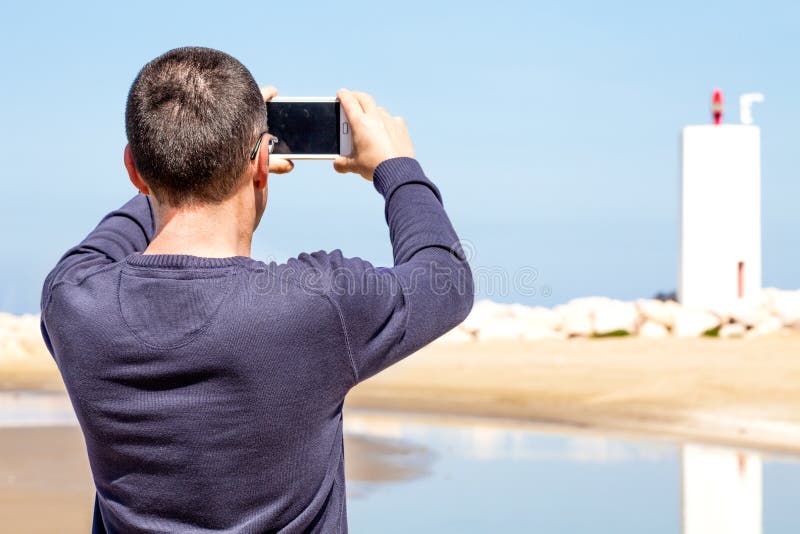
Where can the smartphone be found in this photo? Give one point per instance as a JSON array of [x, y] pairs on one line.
[[308, 128]]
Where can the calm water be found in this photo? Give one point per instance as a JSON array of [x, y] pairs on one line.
[[488, 476], [410, 473]]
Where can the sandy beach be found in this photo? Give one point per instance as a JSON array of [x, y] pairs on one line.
[[45, 480], [741, 392], [46, 469]]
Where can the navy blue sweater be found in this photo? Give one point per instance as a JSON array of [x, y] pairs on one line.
[[210, 390]]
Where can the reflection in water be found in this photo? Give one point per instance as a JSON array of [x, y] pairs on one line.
[[721, 490], [500, 476], [24, 408], [487, 439], [437, 474], [376, 460]]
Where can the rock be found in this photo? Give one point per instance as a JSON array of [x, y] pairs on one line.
[[693, 322], [786, 306], [615, 316], [501, 328], [653, 329], [732, 330], [491, 321], [577, 317], [13, 349], [538, 317], [455, 336], [496, 321], [483, 312], [748, 312], [723, 312], [577, 324], [597, 315], [659, 311], [770, 325], [20, 338]]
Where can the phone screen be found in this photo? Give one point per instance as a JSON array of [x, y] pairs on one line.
[[304, 127]]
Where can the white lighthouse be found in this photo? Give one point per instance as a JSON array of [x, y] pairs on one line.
[[720, 251]]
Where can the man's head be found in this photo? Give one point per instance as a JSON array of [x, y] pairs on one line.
[[192, 118]]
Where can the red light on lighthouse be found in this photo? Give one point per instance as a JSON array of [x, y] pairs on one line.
[[716, 106]]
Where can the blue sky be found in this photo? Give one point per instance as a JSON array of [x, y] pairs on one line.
[[551, 128]]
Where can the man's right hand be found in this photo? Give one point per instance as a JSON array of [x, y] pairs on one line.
[[277, 165], [377, 136]]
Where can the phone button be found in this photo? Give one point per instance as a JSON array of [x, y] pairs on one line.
[[345, 127]]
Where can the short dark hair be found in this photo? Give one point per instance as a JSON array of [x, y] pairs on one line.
[[192, 117]]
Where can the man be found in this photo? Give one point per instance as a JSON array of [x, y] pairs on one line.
[[209, 385]]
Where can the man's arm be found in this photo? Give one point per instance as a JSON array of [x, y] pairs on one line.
[[119, 234], [388, 313]]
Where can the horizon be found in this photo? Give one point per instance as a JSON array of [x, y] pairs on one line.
[[577, 184]]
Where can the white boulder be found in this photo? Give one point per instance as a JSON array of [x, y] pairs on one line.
[[483, 312], [693, 322], [786, 306], [20, 337], [577, 323], [732, 330], [653, 329], [501, 328], [578, 315], [614, 316], [538, 316], [659, 311], [456, 336], [769, 325], [748, 312]]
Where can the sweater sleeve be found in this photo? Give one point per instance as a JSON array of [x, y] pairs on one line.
[[389, 313], [122, 232]]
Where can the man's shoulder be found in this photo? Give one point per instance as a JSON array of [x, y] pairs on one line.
[[321, 260], [73, 273], [323, 269], [308, 271]]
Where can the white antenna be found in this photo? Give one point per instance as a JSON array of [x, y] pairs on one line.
[[746, 102]]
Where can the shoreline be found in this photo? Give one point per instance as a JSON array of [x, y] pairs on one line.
[[728, 392], [732, 392]]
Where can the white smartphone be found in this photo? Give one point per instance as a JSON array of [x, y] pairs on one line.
[[308, 128]]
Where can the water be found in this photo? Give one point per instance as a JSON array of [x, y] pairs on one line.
[[490, 476], [22, 408], [412, 473]]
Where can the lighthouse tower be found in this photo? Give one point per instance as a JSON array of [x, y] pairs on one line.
[[720, 235]]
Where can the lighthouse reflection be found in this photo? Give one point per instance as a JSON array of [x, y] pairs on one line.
[[441, 474], [721, 490]]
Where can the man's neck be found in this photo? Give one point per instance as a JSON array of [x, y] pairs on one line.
[[209, 231]]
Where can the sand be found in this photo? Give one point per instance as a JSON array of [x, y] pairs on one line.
[[46, 485], [744, 393], [741, 392]]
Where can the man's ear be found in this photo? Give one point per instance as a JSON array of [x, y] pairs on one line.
[[261, 175], [133, 174]]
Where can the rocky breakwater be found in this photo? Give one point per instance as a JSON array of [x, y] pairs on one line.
[[20, 338], [24, 360], [773, 312]]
